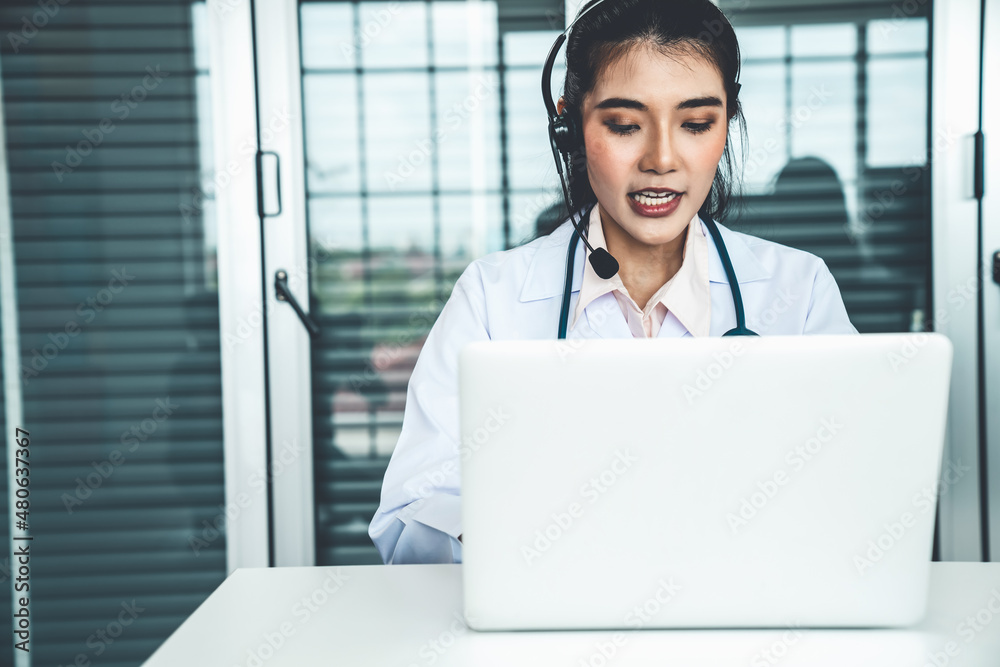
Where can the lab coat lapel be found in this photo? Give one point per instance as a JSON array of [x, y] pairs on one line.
[[672, 327], [747, 268], [604, 319], [745, 263]]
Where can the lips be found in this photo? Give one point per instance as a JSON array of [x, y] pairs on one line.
[[655, 202]]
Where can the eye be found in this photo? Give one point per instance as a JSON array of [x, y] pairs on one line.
[[624, 130], [698, 128]]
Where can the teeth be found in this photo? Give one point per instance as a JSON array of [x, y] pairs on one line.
[[656, 200]]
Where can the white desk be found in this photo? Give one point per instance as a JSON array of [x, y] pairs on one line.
[[411, 615]]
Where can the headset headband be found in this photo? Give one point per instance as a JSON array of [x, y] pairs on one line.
[[550, 60]]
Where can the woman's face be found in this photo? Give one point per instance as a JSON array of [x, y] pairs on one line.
[[656, 123]]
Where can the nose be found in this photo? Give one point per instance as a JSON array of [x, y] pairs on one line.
[[660, 155]]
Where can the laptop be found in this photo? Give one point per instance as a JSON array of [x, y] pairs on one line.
[[784, 481]]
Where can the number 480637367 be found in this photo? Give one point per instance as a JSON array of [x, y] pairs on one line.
[[21, 474]]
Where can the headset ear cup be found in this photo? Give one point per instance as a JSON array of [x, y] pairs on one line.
[[569, 138], [563, 130]]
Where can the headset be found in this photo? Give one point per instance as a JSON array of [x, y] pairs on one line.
[[565, 139]]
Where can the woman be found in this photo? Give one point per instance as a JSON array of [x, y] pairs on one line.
[[653, 85]]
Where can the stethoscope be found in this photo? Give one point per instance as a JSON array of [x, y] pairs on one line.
[[566, 138]]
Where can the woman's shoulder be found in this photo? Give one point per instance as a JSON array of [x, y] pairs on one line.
[[514, 264], [777, 258], [792, 275]]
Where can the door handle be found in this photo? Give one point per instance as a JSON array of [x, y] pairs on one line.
[[996, 267], [266, 185], [283, 293]]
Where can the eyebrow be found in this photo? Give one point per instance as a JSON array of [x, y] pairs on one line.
[[693, 103]]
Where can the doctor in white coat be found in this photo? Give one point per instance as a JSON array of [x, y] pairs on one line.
[[652, 95]]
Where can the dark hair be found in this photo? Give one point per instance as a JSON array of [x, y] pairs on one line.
[[672, 27]]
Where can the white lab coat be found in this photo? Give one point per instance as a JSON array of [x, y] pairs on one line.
[[516, 294]]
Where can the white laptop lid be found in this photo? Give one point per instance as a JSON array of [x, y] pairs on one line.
[[700, 482]]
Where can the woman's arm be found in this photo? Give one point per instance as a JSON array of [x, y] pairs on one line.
[[419, 517]]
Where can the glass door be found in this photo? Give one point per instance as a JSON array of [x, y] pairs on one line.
[[962, 289]]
